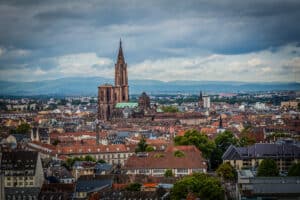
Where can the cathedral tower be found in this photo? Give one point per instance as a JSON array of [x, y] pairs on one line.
[[121, 78], [109, 95]]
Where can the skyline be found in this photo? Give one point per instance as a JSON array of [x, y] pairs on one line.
[[252, 41]]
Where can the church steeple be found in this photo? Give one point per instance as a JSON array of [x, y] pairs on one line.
[[220, 122], [120, 54]]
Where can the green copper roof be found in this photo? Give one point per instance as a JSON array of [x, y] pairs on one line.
[[159, 110], [127, 105]]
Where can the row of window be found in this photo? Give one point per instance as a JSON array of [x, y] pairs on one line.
[[20, 178], [16, 184], [162, 171]]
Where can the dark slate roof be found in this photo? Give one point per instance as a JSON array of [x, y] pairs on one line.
[[262, 150], [19, 160], [90, 185], [59, 191], [103, 167], [21, 137], [22, 191], [276, 185]]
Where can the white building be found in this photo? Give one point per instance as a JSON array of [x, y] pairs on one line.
[[206, 101]]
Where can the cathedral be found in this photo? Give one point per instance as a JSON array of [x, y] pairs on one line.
[[109, 95]]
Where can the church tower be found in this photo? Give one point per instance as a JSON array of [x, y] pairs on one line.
[[109, 95], [121, 78]]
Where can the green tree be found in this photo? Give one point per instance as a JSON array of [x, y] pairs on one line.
[[222, 141], [23, 128], [150, 148], [294, 170], [170, 109], [55, 142], [168, 173], [202, 185], [245, 139], [268, 167], [141, 146], [200, 140], [101, 161], [178, 154], [134, 187], [227, 172], [89, 158]]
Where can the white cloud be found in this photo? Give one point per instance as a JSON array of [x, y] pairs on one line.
[[267, 65], [259, 66], [82, 64]]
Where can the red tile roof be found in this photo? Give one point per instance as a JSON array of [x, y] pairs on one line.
[[192, 159]]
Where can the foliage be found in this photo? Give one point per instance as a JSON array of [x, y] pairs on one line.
[[23, 128], [134, 187], [227, 172], [170, 109], [89, 158], [178, 154], [294, 170], [200, 140], [168, 173], [150, 148], [3, 106], [62, 102], [101, 161], [141, 146], [159, 155], [202, 185], [55, 142], [278, 135], [76, 102], [70, 161], [245, 139], [222, 141], [268, 167]]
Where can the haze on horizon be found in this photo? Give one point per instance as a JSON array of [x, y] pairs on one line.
[[251, 40]]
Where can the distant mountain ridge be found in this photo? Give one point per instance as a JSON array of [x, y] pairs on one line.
[[80, 86]]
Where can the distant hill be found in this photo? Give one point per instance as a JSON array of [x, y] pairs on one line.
[[88, 86]]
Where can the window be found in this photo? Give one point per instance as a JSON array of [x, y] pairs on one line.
[[158, 171], [182, 171], [143, 171]]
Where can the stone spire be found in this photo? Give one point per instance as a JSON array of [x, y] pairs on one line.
[[120, 54], [220, 122]]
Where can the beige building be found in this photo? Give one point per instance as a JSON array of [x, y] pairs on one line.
[[250, 157], [23, 174], [181, 160], [289, 104]]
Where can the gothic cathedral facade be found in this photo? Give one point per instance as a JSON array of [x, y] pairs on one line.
[[109, 95]]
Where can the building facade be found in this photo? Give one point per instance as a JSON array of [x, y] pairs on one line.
[[23, 174], [157, 163], [109, 95], [250, 157]]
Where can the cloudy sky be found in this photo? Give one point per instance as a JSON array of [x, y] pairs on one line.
[[255, 40]]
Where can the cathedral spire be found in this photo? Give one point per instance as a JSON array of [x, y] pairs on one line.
[[120, 54]]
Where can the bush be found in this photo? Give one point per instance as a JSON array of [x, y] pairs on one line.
[[168, 173], [294, 170], [201, 185], [178, 154], [268, 167], [134, 187]]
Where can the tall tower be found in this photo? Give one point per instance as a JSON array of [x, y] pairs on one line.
[[121, 77], [110, 95], [200, 101]]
